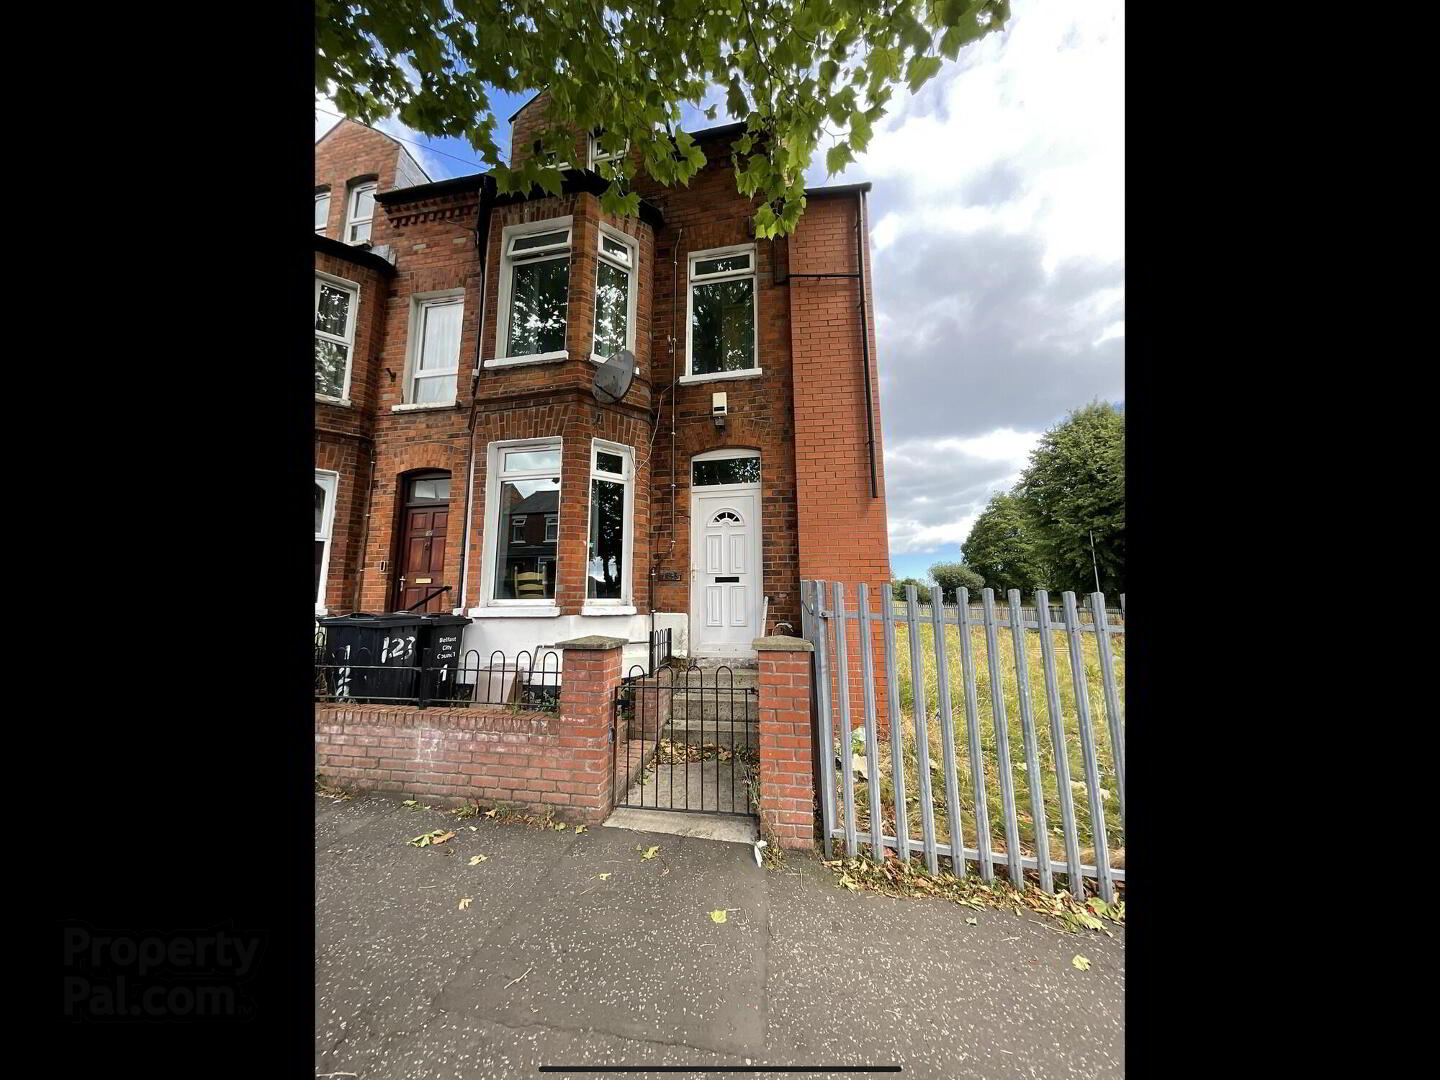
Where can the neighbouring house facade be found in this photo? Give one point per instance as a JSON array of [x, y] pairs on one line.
[[463, 462]]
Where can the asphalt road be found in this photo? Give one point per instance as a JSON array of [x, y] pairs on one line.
[[551, 964]]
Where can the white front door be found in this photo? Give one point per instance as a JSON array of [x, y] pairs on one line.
[[725, 597]]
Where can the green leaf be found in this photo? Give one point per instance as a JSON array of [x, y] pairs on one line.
[[651, 852], [1081, 962], [921, 69], [717, 916], [837, 157]]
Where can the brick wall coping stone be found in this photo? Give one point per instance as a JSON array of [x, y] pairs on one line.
[[592, 641], [781, 644]]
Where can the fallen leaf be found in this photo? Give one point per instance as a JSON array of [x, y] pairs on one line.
[[492, 813], [973, 922], [476, 860], [604, 877], [579, 828], [1081, 962], [440, 839], [651, 852], [717, 916], [426, 839], [465, 902], [560, 826]]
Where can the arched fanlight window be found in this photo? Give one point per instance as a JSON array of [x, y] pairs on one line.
[[726, 517]]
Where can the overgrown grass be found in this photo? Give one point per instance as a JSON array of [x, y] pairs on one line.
[[991, 762]]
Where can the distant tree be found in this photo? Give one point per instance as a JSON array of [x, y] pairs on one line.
[[1001, 547], [1075, 485], [952, 575], [897, 588]]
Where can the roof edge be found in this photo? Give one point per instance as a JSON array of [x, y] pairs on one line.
[[574, 180], [354, 253], [836, 189]]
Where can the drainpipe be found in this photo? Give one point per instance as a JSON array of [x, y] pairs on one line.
[[482, 239], [861, 234]]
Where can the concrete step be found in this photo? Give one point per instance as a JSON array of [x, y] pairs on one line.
[[741, 733]]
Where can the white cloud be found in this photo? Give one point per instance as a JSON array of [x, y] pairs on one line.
[[1044, 99], [936, 488]]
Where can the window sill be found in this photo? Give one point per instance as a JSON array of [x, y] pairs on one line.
[[421, 406], [536, 358], [548, 611], [342, 402], [715, 376], [608, 609]]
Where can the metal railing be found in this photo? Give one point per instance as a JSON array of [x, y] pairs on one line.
[[349, 675], [685, 740], [951, 677]]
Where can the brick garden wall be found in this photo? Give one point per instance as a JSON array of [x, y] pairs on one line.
[[493, 754]]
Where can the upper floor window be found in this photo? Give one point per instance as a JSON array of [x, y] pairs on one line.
[[614, 294], [721, 333], [322, 211], [534, 292], [434, 361], [361, 210], [335, 302], [598, 153]]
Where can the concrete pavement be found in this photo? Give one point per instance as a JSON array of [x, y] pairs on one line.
[[552, 964]]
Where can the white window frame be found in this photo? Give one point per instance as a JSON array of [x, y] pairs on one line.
[[517, 524], [495, 475], [632, 245], [691, 280], [626, 477], [594, 155], [353, 288], [330, 480], [508, 262], [552, 528], [724, 454], [418, 303], [321, 229], [353, 201]]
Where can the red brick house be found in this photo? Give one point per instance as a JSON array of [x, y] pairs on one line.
[[458, 441]]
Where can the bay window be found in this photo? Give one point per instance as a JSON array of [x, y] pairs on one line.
[[534, 293], [614, 295], [523, 506], [325, 483], [335, 302], [612, 509], [721, 335]]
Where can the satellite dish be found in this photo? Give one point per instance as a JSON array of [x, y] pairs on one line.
[[613, 377]]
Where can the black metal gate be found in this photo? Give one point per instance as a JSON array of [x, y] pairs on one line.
[[686, 739]]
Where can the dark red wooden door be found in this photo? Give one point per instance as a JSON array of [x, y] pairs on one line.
[[422, 559]]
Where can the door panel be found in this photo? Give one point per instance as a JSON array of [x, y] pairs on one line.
[[727, 586], [422, 565]]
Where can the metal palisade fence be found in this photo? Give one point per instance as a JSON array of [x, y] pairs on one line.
[[996, 722]]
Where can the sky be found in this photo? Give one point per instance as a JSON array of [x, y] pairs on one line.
[[997, 233]]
